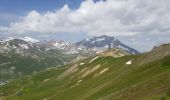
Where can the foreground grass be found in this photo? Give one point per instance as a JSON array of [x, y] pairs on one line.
[[149, 81]]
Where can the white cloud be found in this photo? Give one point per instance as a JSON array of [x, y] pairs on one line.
[[112, 17]]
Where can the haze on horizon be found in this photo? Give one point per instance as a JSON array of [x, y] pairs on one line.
[[140, 24]]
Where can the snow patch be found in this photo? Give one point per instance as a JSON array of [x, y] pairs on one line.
[[115, 50], [2, 83], [98, 52], [93, 41], [82, 63], [29, 39], [101, 72], [8, 39], [106, 46], [87, 40], [24, 46], [14, 46], [93, 59], [100, 39], [79, 48], [104, 70], [129, 62], [100, 48]]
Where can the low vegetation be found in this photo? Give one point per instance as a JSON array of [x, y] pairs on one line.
[[105, 78]]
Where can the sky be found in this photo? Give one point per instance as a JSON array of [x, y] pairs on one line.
[[140, 24]]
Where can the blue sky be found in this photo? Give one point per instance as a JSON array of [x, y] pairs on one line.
[[12, 10], [19, 6], [24, 6], [16, 8], [140, 24]]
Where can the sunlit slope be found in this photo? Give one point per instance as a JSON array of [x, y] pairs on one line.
[[97, 78]]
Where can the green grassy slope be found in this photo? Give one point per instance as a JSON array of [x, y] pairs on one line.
[[105, 78], [28, 64]]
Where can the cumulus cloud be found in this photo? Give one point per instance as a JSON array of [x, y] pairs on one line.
[[111, 17]]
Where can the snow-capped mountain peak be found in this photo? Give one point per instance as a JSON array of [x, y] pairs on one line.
[[56, 44], [29, 39], [17, 45], [7, 39], [104, 42]]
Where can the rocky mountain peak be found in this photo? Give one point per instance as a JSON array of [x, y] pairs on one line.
[[104, 42]]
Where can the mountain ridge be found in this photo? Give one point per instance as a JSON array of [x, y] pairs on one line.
[[29, 55]]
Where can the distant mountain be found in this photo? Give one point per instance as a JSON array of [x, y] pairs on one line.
[[27, 55], [95, 44], [66, 47], [104, 42], [17, 45], [27, 39]]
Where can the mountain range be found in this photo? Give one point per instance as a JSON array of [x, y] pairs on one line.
[[27, 55], [96, 43]]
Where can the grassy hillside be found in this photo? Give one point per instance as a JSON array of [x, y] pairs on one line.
[[98, 78], [13, 64]]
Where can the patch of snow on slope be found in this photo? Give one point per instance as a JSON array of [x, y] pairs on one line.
[[29, 39], [7, 44], [99, 48], [104, 70], [115, 50], [100, 39], [24, 46], [81, 63], [101, 72], [14, 46], [129, 62], [93, 59], [87, 40], [98, 52], [8, 39], [59, 45], [79, 48], [93, 41]]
